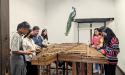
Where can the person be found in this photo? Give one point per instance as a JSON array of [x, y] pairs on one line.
[[17, 57], [110, 50], [37, 38], [97, 43], [28, 43], [44, 37], [97, 40], [45, 43]]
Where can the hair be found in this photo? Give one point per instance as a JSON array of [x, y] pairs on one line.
[[101, 28], [110, 34], [23, 25], [28, 33], [44, 36], [98, 31], [36, 28]]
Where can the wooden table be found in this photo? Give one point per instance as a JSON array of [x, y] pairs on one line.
[[70, 52]]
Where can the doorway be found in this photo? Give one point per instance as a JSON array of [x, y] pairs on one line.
[[4, 36]]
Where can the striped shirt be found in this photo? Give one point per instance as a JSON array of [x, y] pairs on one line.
[[112, 50]]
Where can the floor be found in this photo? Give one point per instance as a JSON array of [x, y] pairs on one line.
[[53, 71], [118, 72]]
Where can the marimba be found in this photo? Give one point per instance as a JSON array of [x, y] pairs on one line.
[[70, 52]]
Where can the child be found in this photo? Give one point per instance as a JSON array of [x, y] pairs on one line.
[[97, 43], [97, 40], [44, 37], [17, 57], [28, 43]]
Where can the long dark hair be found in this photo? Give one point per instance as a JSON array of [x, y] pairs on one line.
[[23, 25], [44, 36], [99, 30], [109, 35]]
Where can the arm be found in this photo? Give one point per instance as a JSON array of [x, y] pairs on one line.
[[92, 43], [26, 45], [112, 50], [38, 41], [15, 46], [115, 47], [27, 52], [36, 46], [101, 43]]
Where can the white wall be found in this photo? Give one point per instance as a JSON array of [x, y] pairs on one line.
[[57, 12], [120, 23], [53, 15], [32, 11], [94, 8]]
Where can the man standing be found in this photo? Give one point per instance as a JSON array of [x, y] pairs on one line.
[[38, 41], [37, 38], [17, 58]]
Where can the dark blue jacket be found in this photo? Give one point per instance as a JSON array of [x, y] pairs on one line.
[[38, 40]]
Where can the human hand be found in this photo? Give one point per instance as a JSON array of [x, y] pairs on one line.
[[103, 51], [98, 47], [93, 46], [28, 52]]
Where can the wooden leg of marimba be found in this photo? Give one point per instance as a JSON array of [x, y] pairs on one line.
[[63, 68], [89, 69], [82, 68], [74, 68], [49, 67], [78, 68], [40, 68], [66, 68], [102, 69], [57, 68]]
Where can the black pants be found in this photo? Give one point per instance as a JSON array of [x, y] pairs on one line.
[[31, 69], [110, 69]]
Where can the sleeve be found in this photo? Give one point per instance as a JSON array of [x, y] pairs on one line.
[[101, 42], [15, 43], [43, 41], [113, 50], [24, 44], [38, 40]]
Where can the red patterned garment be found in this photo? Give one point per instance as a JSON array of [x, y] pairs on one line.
[[111, 51]]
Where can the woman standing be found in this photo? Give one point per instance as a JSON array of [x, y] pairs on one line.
[[28, 43], [44, 36], [110, 50], [17, 57]]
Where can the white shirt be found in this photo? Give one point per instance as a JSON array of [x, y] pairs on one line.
[[16, 42], [45, 41], [28, 44]]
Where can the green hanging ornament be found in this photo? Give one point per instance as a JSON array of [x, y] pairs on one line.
[[70, 20]]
